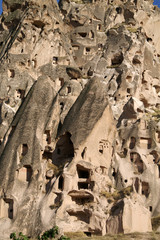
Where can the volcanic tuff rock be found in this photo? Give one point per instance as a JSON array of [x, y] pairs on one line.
[[79, 116]]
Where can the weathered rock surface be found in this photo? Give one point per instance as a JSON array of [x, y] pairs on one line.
[[79, 116]]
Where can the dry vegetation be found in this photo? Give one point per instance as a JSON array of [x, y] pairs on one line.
[[155, 222], [116, 195], [131, 236]]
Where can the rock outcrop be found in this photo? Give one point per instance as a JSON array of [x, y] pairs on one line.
[[79, 116]]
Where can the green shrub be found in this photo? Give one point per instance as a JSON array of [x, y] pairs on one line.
[[49, 234], [64, 238], [21, 236], [52, 234]]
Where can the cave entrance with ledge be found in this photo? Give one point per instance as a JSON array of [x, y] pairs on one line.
[[6, 208], [23, 149], [83, 185], [81, 197], [83, 172], [84, 181], [64, 150], [83, 216], [132, 143], [145, 143], [136, 159], [25, 173]]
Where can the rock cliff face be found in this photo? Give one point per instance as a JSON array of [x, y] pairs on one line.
[[79, 116]]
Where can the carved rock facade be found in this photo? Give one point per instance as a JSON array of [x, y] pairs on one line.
[[79, 119]]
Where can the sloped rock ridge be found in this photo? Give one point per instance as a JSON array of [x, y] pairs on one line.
[[79, 116]]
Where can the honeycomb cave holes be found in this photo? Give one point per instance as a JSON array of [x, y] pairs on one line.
[[103, 144], [145, 189], [29, 63], [82, 34], [136, 60], [99, 27], [114, 173], [129, 79], [90, 72], [34, 63], [155, 156], [48, 136], [91, 34], [101, 149], [68, 89], [55, 60], [20, 93], [117, 59], [136, 184], [132, 143], [11, 73], [61, 106], [38, 24], [61, 80], [87, 50], [61, 183], [75, 47], [149, 39], [119, 10]]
